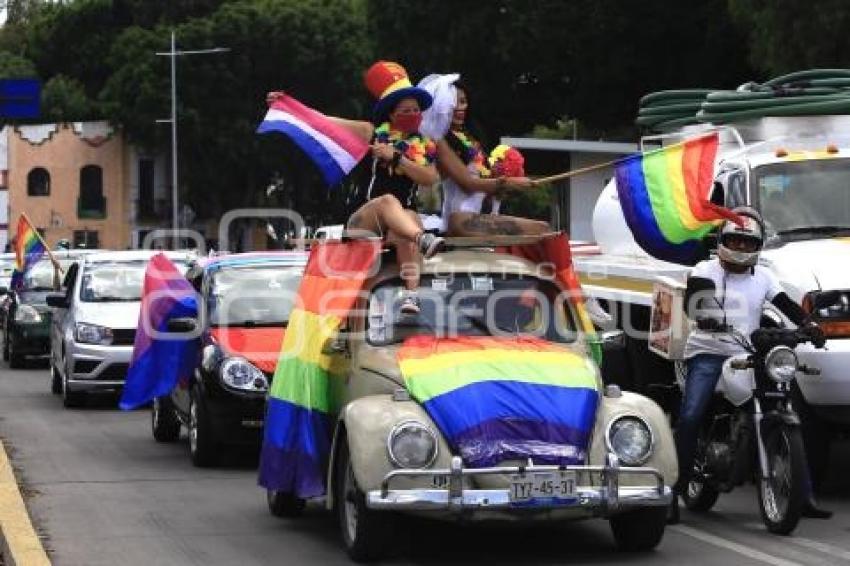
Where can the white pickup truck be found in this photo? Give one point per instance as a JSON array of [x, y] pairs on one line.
[[796, 172]]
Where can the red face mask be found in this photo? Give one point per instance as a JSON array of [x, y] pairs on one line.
[[407, 123]]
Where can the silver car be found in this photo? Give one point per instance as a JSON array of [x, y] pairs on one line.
[[94, 322]]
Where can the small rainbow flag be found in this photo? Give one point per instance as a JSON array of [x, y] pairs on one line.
[[664, 197], [333, 149], [29, 248], [495, 399], [297, 434]]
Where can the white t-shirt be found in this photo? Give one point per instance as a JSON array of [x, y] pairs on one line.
[[741, 297], [455, 199]]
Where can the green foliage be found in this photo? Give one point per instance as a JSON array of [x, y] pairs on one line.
[[15, 67], [534, 203], [64, 99]]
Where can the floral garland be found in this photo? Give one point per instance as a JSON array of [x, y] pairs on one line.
[[417, 148], [506, 161], [473, 153]]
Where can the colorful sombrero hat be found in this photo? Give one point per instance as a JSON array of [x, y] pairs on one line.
[[389, 83]]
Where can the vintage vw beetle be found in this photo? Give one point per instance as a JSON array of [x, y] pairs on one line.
[[390, 455]]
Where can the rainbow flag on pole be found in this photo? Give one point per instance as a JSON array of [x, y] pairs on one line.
[[29, 249], [334, 149], [664, 197], [297, 435], [504, 398], [159, 361]]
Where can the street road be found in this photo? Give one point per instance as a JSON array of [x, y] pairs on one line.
[[101, 491]]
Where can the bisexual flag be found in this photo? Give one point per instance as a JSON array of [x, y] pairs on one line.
[[160, 359]]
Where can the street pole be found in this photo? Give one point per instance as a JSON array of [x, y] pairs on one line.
[[175, 199]]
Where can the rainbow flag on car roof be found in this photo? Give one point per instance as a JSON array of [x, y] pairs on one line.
[[297, 434], [334, 149], [29, 249], [664, 197], [496, 399], [159, 361]]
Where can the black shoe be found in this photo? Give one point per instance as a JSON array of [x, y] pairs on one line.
[[812, 511], [673, 511]]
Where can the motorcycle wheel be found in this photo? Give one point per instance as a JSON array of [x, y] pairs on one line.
[[782, 492], [700, 496]]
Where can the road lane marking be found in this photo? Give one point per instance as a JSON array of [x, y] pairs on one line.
[[19, 542], [733, 546], [824, 547]]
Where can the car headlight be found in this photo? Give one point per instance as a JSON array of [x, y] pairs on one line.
[[239, 373], [630, 439], [412, 444], [781, 364], [93, 334], [27, 314]]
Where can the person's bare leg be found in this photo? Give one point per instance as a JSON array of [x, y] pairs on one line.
[[407, 253], [472, 224], [385, 214]]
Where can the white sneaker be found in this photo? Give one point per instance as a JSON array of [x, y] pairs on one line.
[[429, 244]]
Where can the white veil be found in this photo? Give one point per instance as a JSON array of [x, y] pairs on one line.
[[438, 118]]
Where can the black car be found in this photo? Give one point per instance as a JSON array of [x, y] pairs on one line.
[[245, 305], [25, 314]]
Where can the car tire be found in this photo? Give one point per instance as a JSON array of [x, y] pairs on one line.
[[366, 533], [284, 504], [6, 345], [16, 360], [72, 399], [203, 447], [165, 425], [55, 380], [640, 530]]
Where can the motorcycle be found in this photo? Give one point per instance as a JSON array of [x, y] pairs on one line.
[[752, 430]]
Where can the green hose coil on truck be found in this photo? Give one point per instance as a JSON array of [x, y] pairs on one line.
[[803, 93]]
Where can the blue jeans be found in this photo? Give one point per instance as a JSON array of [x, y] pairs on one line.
[[703, 373]]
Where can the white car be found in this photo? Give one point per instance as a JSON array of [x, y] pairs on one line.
[[94, 322]]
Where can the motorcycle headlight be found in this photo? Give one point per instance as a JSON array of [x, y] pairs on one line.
[[239, 373], [781, 364], [630, 438], [411, 444], [27, 314], [93, 334]]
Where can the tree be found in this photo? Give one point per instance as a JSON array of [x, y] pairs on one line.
[[64, 99], [15, 67]]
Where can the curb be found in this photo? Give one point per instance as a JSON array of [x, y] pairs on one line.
[[18, 540]]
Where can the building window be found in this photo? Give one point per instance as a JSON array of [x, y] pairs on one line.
[[86, 239], [91, 203], [38, 182]]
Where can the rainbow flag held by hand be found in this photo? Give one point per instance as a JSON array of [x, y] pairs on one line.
[[496, 399], [29, 249], [664, 197], [159, 360], [334, 149], [298, 426]]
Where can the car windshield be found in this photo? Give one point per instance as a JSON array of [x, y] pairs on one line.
[[115, 281], [253, 295], [472, 305], [42, 276], [806, 198]]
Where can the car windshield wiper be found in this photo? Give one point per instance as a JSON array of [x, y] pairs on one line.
[[814, 230]]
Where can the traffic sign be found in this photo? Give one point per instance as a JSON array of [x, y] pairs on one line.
[[20, 98]]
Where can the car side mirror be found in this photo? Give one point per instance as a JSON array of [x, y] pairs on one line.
[[181, 325], [57, 300]]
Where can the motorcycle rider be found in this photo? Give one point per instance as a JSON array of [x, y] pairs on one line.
[[738, 290]]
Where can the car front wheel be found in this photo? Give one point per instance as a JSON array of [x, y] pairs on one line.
[[365, 533], [165, 425], [71, 399], [202, 444], [640, 530]]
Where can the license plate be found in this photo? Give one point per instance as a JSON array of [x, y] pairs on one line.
[[542, 485]]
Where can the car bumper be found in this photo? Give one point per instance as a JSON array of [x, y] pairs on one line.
[[832, 386], [31, 339], [94, 367], [237, 419], [605, 499]]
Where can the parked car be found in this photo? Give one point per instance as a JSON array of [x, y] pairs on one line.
[[25, 315], [245, 304], [389, 455], [94, 322]]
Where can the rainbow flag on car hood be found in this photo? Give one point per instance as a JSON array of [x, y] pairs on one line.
[[297, 434], [664, 197], [496, 399], [160, 361]]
